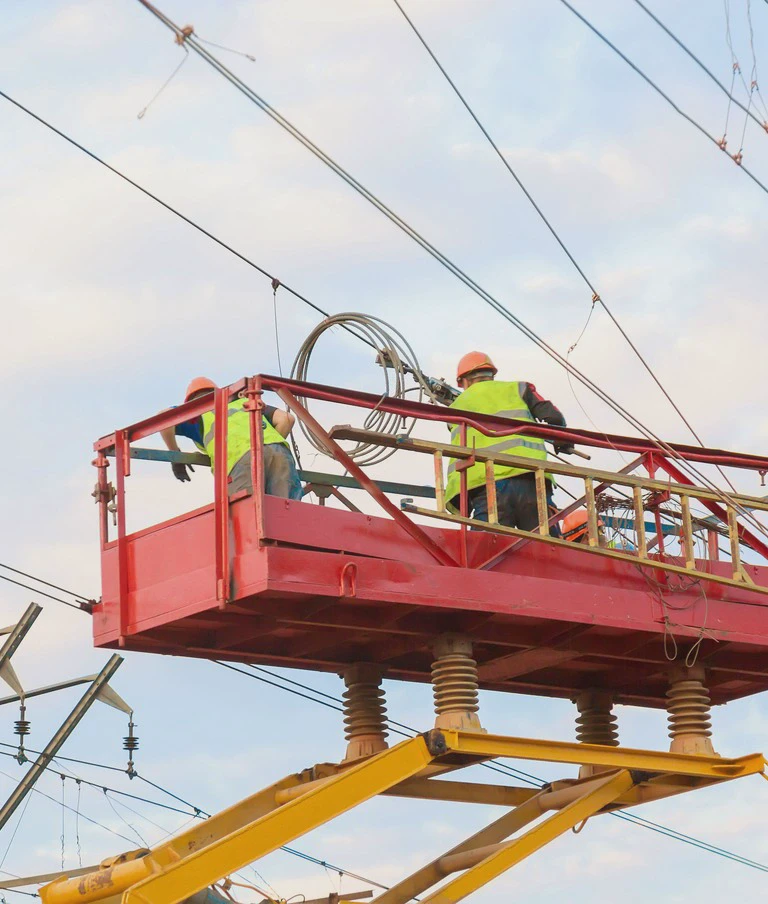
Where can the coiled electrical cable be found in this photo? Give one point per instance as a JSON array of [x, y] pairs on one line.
[[397, 360]]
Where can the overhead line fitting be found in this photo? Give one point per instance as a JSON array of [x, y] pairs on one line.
[[737, 158]]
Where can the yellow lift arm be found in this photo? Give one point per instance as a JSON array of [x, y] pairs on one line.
[[283, 812]]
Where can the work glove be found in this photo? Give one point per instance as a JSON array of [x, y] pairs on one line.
[[180, 471], [564, 449]]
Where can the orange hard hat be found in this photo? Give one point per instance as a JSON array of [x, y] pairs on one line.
[[576, 525], [197, 384], [474, 361]]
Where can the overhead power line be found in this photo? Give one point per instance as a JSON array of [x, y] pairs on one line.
[[596, 296], [188, 36], [167, 206], [489, 299], [646, 78], [503, 768], [701, 65], [85, 607]]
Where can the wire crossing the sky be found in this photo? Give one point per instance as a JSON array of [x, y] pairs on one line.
[[596, 296], [596, 31], [169, 207], [503, 768], [188, 36], [729, 94]]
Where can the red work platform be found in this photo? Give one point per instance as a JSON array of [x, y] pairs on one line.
[[270, 581]]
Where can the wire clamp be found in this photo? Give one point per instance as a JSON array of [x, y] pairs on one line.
[[186, 32], [737, 158], [723, 143], [596, 298]]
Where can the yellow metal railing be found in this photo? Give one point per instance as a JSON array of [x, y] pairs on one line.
[[640, 489]]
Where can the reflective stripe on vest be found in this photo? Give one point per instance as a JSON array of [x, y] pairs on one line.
[[238, 433], [504, 400]]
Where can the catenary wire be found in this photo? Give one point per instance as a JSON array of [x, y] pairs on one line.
[[463, 277], [82, 606], [102, 787], [700, 64], [596, 296], [596, 31], [58, 803], [162, 203], [38, 580], [507, 770], [446, 262]]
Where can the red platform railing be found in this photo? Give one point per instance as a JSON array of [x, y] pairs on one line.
[[672, 459]]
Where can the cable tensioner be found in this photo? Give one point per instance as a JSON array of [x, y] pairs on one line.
[[131, 744]]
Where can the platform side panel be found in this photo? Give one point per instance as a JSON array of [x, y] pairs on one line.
[[170, 572]]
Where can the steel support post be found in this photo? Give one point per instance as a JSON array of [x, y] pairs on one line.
[[507, 855], [54, 745], [15, 634]]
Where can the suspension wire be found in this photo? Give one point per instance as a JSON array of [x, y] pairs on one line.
[[15, 831], [596, 31], [755, 82], [77, 824], [446, 262], [101, 787], [596, 296], [131, 826], [142, 113], [470, 284], [729, 94], [510, 771], [241, 53], [162, 203], [67, 807], [84, 607], [33, 577], [199, 812]]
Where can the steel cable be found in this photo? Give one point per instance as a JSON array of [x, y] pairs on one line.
[[507, 314], [504, 769], [702, 66], [596, 296], [596, 31], [446, 262]]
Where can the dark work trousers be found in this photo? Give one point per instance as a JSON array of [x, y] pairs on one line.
[[516, 503], [280, 475]]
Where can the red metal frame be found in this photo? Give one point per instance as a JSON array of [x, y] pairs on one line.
[[262, 579]]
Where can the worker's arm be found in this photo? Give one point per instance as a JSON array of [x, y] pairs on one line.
[[180, 472], [544, 410], [282, 421]]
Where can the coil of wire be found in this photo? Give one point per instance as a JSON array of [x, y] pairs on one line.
[[398, 362]]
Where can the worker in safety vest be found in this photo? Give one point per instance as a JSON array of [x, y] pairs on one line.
[[515, 487], [280, 475]]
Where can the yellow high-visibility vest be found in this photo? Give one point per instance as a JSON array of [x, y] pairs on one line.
[[238, 433], [502, 399]]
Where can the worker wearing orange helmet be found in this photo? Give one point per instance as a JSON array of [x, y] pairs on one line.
[[280, 475], [515, 487]]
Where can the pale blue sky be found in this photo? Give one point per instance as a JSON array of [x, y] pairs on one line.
[[110, 304]]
